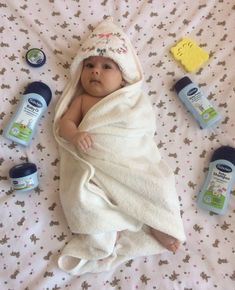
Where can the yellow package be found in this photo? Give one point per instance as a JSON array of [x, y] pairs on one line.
[[189, 54]]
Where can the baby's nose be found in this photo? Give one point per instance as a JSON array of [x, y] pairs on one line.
[[95, 70]]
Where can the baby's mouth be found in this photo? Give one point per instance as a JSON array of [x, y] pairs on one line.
[[94, 81]]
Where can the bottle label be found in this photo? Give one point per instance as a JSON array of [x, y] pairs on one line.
[[217, 188], [201, 105], [22, 127]]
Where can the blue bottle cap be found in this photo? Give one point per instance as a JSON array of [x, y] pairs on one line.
[[41, 89], [224, 152], [182, 83], [23, 169], [35, 57]]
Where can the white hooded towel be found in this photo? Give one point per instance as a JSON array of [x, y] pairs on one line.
[[119, 188]]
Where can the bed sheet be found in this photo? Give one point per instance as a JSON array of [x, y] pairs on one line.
[[33, 229]]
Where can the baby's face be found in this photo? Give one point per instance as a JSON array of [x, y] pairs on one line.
[[100, 76]]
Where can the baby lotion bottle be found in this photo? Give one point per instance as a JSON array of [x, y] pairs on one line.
[[195, 101], [33, 104], [215, 193]]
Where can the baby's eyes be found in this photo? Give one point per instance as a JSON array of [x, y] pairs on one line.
[[89, 65], [107, 66], [104, 66]]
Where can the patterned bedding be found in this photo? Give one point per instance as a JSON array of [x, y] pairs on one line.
[[33, 229]]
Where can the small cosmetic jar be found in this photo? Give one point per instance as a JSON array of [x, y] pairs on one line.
[[35, 57], [24, 177]]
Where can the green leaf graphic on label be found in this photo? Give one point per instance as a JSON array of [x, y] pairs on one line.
[[213, 199], [21, 132], [209, 114]]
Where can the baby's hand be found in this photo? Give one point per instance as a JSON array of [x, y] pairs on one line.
[[83, 140]]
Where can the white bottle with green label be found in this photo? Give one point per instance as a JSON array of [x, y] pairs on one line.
[[33, 104], [215, 193], [195, 101]]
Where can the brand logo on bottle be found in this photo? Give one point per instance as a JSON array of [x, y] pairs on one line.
[[35, 102], [224, 168], [192, 91]]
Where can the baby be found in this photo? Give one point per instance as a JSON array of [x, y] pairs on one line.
[[100, 77]]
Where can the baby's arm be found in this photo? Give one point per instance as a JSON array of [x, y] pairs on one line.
[[69, 126]]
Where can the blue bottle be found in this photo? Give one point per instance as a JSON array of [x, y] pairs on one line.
[[215, 193], [33, 104], [195, 101]]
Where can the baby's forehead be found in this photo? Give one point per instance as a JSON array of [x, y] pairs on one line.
[[98, 58]]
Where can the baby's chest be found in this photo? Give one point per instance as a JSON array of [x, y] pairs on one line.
[[87, 103]]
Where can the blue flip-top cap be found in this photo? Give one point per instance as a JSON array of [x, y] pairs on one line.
[[224, 152], [182, 83], [41, 89]]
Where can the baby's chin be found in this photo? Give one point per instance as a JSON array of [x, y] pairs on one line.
[[94, 93], [97, 94]]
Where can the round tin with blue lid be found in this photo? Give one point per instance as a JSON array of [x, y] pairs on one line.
[[35, 57], [24, 176]]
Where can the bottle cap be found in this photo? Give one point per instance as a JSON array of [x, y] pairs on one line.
[[41, 89], [35, 57], [22, 170], [182, 83], [224, 152]]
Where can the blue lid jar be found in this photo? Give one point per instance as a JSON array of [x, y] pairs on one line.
[[35, 57], [24, 176]]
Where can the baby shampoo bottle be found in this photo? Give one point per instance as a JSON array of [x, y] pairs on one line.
[[33, 104], [215, 193], [197, 103]]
